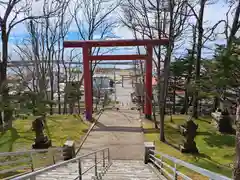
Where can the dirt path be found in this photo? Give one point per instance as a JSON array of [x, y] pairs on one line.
[[119, 130]]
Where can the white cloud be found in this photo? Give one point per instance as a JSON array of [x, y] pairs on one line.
[[123, 32], [213, 13], [35, 7]]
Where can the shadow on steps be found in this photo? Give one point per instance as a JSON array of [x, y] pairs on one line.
[[119, 129]]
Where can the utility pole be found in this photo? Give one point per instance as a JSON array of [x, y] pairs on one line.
[[115, 90]]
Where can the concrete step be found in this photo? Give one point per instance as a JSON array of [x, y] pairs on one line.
[[70, 171], [119, 170], [129, 170]]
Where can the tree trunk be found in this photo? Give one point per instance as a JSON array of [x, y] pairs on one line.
[[71, 107], [166, 72], [154, 115], [216, 103], [65, 104], [236, 171], [3, 73], [234, 29], [51, 85], [143, 87], [79, 106], [198, 58], [184, 110], [58, 89], [164, 90], [189, 72], [51, 95], [174, 96]]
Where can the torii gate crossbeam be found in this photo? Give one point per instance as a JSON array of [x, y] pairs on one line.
[[87, 57]]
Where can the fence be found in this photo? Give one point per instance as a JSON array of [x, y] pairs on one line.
[[13, 163], [169, 166], [97, 174]]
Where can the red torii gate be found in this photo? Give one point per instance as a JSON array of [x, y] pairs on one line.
[[87, 57]]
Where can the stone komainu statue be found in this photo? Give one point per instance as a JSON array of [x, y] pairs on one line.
[[41, 141], [189, 145]]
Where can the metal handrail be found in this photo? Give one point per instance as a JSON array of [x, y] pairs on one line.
[[159, 162], [88, 132], [33, 175], [28, 152], [29, 159]]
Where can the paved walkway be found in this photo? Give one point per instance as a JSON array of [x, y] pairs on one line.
[[121, 131]]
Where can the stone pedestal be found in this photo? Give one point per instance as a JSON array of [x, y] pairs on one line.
[[42, 143], [69, 150], [148, 147], [225, 123], [189, 147]]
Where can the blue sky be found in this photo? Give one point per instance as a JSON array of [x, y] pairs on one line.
[[213, 13]]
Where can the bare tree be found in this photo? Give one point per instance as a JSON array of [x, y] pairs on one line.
[[63, 30], [95, 20], [45, 34], [152, 20], [231, 36], [234, 28], [202, 36], [13, 9], [199, 19]]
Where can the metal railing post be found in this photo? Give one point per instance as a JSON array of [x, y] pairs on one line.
[[76, 160], [80, 169], [53, 157], [153, 153], [95, 161], [161, 165], [175, 171], [108, 156], [32, 166], [103, 158]]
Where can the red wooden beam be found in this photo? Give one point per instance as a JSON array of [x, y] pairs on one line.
[[118, 57], [111, 43]]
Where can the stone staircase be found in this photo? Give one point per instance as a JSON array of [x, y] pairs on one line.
[[70, 171], [119, 170], [129, 170]]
